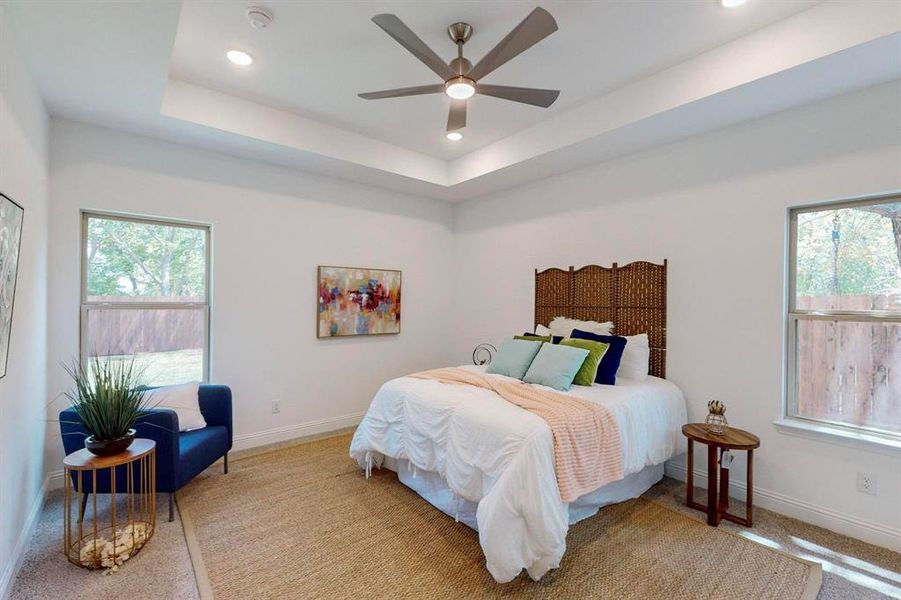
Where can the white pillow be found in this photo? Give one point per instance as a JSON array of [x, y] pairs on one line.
[[636, 358], [183, 399], [563, 327], [542, 330]]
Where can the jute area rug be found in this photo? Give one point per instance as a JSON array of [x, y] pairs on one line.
[[302, 522]]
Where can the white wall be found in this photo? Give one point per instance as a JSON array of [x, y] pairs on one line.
[[715, 206], [23, 177], [271, 227]]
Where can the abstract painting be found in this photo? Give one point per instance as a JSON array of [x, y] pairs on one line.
[[11, 215], [357, 301]]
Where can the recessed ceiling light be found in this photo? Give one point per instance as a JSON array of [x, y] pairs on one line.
[[242, 59], [460, 88], [455, 136], [732, 3]]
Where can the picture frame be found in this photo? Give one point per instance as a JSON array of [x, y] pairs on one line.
[[12, 218], [358, 301]]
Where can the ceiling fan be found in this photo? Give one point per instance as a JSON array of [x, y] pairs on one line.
[[461, 79]]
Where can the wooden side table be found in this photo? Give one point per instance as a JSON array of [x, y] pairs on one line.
[[731, 439], [109, 538]]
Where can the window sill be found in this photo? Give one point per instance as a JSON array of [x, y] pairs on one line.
[[862, 440]]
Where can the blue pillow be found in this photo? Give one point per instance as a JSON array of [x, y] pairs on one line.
[[556, 339], [556, 366], [614, 355], [513, 358]]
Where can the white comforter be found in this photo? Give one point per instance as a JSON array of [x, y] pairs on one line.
[[500, 456]]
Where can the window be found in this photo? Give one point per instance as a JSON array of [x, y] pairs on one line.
[[844, 316], [145, 296]]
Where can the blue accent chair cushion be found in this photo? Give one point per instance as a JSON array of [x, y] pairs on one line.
[[179, 455]]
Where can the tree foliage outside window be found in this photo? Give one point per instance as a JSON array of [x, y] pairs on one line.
[[137, 259], [850, 251]]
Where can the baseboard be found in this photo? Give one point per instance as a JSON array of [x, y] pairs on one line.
[[245, 441], [872, 533], [18, 554]]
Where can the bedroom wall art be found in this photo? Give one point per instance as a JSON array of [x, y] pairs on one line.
[[11, 217], [358, 301]]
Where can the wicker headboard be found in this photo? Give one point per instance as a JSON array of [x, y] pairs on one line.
[[632, 296]]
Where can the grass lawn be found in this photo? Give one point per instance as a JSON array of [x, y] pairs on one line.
[[167, 368]]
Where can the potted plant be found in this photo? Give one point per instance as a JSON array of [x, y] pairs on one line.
[[108, 400]]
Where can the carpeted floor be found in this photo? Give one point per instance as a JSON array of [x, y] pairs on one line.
[[852, 569]]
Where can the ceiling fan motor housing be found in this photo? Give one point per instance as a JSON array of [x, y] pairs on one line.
[[460, 32]]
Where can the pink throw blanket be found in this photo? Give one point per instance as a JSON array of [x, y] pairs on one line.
[[587, 447]]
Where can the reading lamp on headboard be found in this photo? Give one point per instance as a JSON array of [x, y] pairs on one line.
[[632, 296]]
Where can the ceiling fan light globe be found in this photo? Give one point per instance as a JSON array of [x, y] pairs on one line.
[[460, 88]]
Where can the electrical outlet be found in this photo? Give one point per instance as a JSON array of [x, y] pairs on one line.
[[866, 483], [276, 406]]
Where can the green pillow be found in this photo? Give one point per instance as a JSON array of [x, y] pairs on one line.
[[533, 338], [589, 370], [513, 358], [555, 366]]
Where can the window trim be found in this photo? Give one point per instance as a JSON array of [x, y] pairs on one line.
[[792, 315], [86, 305]]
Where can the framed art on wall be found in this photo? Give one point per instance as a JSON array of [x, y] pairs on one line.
[[358, 301], [11, 217]]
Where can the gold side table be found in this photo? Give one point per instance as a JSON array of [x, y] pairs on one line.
[[124, 520]]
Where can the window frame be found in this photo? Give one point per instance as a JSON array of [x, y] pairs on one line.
[[794, 315], [86, 305]]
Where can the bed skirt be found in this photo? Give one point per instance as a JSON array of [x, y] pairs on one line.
[[434, 489]]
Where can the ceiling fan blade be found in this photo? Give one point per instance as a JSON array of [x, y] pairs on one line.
[[409, 40], [437, 88], [456, 118], [534, 28], [533, 96]]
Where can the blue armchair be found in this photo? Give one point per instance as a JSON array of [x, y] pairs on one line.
[[179, 455]]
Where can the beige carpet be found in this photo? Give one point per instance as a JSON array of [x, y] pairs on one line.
[[302, 522]]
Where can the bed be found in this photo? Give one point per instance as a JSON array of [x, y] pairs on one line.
[[490, 464]]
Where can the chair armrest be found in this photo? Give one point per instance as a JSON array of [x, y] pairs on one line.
[[157, 424], [161, 426], [216, 406]]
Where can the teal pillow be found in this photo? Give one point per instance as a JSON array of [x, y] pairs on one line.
[[589, 370], [555, 366], [513, 358]]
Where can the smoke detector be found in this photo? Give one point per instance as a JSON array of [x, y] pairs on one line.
[[259, 18]]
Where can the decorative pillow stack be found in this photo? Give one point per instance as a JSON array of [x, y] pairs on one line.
[[573, 352]]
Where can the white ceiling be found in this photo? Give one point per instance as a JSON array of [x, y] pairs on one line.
[[317, 56], [632, 75]]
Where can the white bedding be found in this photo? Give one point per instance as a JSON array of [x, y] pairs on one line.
[[495, 454]]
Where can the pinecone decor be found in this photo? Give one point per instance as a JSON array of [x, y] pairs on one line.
[[716, 419]]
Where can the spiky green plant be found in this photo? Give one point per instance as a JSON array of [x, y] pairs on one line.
[[107, 396]]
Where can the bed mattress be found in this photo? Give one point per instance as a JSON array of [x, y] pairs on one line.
[[465, 450]]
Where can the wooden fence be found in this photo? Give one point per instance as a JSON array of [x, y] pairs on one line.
[[130, 331], [850, 371]]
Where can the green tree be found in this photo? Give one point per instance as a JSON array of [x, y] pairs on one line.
[[850, 251], [127, 258]]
